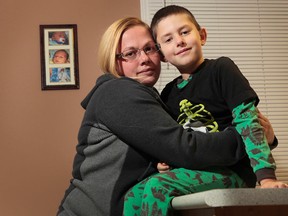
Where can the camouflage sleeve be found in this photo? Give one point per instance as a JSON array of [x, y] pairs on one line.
[[248, 126]]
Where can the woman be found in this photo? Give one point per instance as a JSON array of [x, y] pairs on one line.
[[126, 130]]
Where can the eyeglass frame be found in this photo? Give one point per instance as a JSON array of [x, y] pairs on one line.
[[121, 55]]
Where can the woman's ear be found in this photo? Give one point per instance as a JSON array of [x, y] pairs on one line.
[[119, 68], [203, 36]]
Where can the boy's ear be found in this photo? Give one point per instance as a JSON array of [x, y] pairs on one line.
[[162, 57], [203, 36]]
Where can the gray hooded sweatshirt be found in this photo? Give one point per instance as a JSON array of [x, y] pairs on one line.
[[124, 133]]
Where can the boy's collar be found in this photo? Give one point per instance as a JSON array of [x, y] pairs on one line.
[[181, 83]]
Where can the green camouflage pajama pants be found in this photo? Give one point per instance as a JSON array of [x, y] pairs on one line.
[[152, 196]]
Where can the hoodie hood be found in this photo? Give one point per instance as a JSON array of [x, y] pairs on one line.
[[102, 79]]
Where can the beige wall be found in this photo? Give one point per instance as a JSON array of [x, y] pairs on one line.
[[38, 129]]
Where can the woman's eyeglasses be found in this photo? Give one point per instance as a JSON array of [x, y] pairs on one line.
[[133, 54]]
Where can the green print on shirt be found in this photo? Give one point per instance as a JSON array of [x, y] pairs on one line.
[[196, 116]]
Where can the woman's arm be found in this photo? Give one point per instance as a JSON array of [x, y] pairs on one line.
[[133, 113]]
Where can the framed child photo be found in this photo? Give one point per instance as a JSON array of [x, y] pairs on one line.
[[59, 57]]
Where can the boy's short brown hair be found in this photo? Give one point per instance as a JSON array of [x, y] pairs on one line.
[[168, 11]]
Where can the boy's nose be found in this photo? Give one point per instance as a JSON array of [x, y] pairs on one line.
[[180, 41]]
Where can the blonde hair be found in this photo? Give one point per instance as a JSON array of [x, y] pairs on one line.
[[110, 41]]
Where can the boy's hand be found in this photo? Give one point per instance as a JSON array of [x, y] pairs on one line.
[[163, 167], [272, 183]]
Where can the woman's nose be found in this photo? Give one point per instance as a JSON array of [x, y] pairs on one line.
[[143, 56]]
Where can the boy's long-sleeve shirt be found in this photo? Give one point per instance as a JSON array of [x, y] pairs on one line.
[[216, 96]]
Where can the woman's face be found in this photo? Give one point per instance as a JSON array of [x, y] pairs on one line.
[[146, 67]]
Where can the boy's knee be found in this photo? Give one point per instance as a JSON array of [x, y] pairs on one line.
[[154, 181]]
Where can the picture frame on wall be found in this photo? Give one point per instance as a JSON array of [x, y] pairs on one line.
[[59, 57]]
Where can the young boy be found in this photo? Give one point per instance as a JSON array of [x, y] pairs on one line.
[[208, 96]]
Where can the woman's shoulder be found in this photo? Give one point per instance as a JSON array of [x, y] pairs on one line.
[[107, 85], [118, 83], [113, 86]]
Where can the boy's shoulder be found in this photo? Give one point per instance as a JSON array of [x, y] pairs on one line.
[[220, 63], [220, 60]]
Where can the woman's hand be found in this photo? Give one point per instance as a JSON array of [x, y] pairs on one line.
[[163, 167], [267, 127]]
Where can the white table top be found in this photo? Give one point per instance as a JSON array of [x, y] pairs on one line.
[[232, 197]]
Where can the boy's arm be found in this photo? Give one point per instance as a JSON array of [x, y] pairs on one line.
[[236, 89], [248, 126]]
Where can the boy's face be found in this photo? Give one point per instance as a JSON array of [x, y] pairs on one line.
[[181, 42]]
